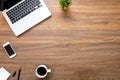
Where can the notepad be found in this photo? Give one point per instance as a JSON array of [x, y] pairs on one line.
[[4, 74]]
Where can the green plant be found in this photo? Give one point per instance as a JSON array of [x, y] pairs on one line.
[[65, 3]]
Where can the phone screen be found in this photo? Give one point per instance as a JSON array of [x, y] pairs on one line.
[[9, 50]]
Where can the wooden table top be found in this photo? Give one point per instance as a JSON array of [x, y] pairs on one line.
[[80, 44]]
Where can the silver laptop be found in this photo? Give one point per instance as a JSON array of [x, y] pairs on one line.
[[21, 15]]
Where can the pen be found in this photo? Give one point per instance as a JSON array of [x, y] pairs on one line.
[[14, 74], [19, 74]]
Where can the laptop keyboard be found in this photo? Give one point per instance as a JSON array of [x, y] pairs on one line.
[[23, 9]]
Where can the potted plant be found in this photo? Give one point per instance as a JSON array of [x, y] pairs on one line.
[[65, 4]]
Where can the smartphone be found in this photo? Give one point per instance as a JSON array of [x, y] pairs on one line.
[[9, 49]]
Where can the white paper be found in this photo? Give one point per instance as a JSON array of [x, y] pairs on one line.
[[4, 74]]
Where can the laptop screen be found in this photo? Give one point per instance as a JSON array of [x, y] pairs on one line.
[[6, 4]]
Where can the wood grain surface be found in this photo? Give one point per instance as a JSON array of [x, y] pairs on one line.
[[80, 44]]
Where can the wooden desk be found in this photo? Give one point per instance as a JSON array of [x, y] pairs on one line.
[[82, 44]]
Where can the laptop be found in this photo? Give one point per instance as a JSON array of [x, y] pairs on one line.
[[21, 15]]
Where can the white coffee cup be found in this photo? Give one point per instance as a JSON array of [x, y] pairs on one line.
[[42, 71]]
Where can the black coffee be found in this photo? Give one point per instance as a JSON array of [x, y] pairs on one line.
[[41, 71]]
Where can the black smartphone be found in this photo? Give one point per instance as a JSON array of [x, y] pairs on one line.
[[9, 50]]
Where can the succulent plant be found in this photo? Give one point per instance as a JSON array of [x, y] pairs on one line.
[[65, 3]]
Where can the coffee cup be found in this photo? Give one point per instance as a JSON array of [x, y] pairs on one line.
[[42, 71]]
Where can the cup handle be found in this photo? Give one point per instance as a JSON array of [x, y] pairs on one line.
[[49, 70]]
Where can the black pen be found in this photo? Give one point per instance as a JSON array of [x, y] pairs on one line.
[[14, 74], [19, 74]]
